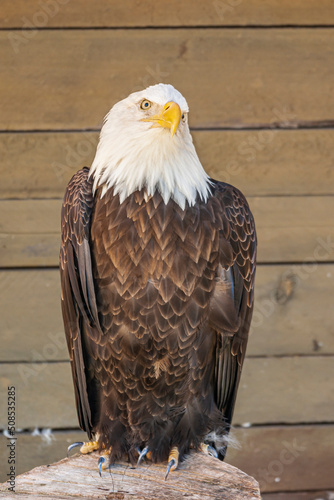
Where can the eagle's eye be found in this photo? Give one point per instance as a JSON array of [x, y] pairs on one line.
[[184, 117], [145, 104]]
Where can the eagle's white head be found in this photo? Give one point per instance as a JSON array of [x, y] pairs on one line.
[[145, 142]]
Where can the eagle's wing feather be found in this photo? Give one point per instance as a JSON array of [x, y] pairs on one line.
[[236, 281], [77, 291]]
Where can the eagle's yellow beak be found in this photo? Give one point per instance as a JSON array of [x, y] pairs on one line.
[[169, 117]]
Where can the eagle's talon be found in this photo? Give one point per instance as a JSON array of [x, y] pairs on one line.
[[173, 461], [212, 452], [85, 448], [74, 445], [209, 450], [142, 455], [101, 461], [170, 465]]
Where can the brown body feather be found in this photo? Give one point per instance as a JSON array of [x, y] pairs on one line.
[[157, 303]]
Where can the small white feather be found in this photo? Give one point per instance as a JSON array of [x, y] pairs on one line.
[[222, 441]]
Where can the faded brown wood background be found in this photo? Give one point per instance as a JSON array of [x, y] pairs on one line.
[[259, 79]]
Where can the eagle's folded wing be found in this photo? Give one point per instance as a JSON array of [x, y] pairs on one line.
[[234, 293], [78, 299]]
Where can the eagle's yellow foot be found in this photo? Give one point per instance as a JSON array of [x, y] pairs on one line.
[[173, 460], [89, 447], [208, 450], [84, 447]]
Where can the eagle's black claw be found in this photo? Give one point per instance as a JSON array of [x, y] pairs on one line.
[[212, 452], [142, 455], [173, 460], [208, 450], [74, 445], [170, 464], [101, 462]]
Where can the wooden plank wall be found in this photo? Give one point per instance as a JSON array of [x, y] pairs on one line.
[[259, 78]]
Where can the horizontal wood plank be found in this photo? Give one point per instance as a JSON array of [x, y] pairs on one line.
[[259, 162], [45, 393], [287, 458], [37, 333], [293, 313], [44, 447], [285, 390], [130, 13], [229, 77], [300, 456], [290, 229]]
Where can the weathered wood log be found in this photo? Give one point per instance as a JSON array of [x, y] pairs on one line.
[[199, 477]]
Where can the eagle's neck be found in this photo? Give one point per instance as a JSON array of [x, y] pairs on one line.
[[153, 161]]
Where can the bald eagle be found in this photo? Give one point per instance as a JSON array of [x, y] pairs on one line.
[[157, 267]]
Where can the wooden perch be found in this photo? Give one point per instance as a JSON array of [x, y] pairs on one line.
[[199, 477]]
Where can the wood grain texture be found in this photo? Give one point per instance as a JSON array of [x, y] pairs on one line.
[[285, 390], [45, 392], [287, 458], [38, 329], [259, 162], [30, 230], [130, 13], [199, 477], [304, 452], [44, 395], [229, 77], [293, 313]]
